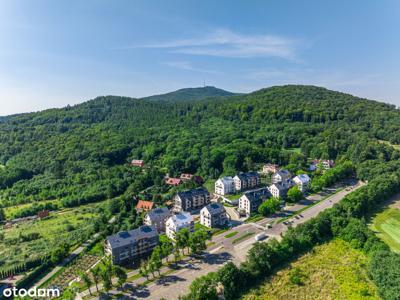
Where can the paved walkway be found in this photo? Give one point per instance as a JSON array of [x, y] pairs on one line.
[[70, 258], [176, 283]]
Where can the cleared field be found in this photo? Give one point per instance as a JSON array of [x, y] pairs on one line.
[[397, 147], [331, 271], [10, 211], [387, 227]]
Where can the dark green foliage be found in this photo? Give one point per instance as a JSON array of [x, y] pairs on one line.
[[269, 206], [294, 195], [81, 154], [340, 221], [203, 288], [191, 94], [296, 276], [85, 149], [332, 176], [385, 272]]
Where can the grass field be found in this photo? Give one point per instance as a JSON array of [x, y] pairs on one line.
[[209, 185], [242, 237], [397, 147], [331, 271], [387, 227], [229, 235], [10, 211], [69, 226]]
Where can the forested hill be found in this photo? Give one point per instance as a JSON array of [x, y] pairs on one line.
[[191, 94], [80, 154]]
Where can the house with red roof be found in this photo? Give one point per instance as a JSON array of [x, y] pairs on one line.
[[173, 181], [137, 163], [143, 205]]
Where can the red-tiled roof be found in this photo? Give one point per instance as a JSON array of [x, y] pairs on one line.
[[144, 205], [173, 181], [137, 162]]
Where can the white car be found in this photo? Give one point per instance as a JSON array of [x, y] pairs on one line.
[[260, 237]]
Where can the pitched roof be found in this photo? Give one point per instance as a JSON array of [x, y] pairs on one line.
[[243, 176], [125, 238], [279, 186], [173, 181], [186, 176], [215, 208], [137, 162], [157, 212], [193, 192], [304, 178], [146, 205], [257, 194], [181, 218], [226, 179], [283, 173]]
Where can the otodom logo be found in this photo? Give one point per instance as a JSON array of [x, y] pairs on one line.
[[32, 292]]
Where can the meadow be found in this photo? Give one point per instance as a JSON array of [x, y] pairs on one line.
[[387, 227], [331, 271]]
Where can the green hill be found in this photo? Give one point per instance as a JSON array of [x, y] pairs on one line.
[[80, 154], [191, 94]]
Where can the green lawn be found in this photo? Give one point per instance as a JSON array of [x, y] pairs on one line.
[[241, 238], [231, 234], [295, 150], [209, 185], [331, 271], [233, 197], [254, 218], [10, 211], [387, 227], [397, 147]]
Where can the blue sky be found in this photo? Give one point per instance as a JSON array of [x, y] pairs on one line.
[[54, 53]]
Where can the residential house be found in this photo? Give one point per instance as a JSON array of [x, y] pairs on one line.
[[157, 218], [245, 181], [186, 177], [43, 214], [191, 200], [137, 163], [327, 164], [280, 189], [225, 186], [324, 164], [213, 215], [126, 246], [250, 201], [281, 176], [303, 181], [173, 181], [143, 205], [177, 222], [270, 168]]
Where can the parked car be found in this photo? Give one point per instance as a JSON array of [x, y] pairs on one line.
[[260, 237]]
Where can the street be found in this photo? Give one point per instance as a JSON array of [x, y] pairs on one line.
[[223, 248]]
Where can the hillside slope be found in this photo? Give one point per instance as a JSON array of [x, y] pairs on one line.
[[191, 94], [80, 154]]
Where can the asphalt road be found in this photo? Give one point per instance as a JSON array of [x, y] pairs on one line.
[[225, 249]]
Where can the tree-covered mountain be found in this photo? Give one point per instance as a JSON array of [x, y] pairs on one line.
[[81, 154], [191, 94]]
